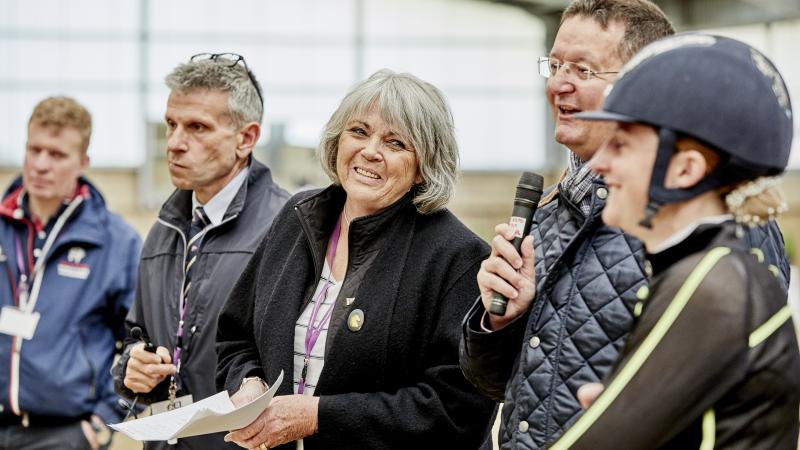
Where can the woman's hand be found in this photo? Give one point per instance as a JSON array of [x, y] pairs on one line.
[[286, 419], [510, 274]]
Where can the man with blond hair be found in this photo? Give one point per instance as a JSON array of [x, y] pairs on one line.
[[71, 269]]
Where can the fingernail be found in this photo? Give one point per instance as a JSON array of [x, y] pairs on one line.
[[227, 438]]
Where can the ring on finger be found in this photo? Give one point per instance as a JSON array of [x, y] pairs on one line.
[[263, 446]]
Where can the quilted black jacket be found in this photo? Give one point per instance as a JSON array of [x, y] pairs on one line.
[[587, 278]]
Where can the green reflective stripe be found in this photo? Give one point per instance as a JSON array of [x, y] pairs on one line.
[[709, 430], [759, 254], [774, 269], [643, 352], [770, 326]]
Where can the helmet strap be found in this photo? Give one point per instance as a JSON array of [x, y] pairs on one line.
[[649, 212], [658, 195]]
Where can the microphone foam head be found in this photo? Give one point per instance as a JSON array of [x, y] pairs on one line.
[[136, 333], [530, 186]]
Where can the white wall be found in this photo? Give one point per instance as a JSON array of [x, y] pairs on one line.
[[306, 54]]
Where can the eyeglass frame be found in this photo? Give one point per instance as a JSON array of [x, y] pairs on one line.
[[235, 59], [544, 62]]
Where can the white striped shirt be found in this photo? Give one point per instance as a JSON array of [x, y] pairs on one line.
[[317, 359]]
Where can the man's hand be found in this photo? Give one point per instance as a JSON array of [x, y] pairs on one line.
[[90, 433], [508, 273], [147, 369], [286, 419]]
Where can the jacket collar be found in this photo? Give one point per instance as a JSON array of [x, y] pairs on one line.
[[704, 236], [318, 215], [87, 223], [177, 209]]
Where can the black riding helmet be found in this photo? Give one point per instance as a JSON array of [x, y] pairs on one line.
[[717, 90]]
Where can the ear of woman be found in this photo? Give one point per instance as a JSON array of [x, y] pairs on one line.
[[686, 169]]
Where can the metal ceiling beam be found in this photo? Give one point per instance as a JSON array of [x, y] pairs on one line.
[[690, 14]]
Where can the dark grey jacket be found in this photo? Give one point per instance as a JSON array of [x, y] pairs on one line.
[[224, 253], [395, 382], [588, 275]]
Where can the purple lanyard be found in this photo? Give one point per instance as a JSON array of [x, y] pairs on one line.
[[315, 329], [23, 272]]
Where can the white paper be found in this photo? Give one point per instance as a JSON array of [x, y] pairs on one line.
[[210, 415]]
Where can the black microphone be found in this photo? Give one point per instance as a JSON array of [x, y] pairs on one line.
[[136, 333], [529, 191]]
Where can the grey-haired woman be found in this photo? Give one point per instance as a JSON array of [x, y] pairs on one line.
[[357, 290]]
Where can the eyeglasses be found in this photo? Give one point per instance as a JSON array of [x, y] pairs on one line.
[[549, 67], [229, 60]]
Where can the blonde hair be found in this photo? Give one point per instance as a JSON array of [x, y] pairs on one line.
[[63, 112], [755, 202], [752, 202]]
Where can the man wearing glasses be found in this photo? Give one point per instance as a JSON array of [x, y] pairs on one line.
[[205, 234], [571, 307]]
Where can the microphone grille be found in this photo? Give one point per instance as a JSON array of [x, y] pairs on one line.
[[136, 333], [530, 187]]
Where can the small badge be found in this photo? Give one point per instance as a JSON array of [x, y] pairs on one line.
[[73, 267], [355, 320], [167, 405], [15, 322], [73, 270], [349, 301], [76, 255]]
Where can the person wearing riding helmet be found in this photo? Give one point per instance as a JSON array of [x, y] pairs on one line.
[[703, 127]]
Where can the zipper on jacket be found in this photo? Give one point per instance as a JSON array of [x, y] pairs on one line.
[[185, 255], [85, 354], [317, 265]]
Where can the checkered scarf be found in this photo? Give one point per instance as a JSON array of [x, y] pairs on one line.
[[577, 183]]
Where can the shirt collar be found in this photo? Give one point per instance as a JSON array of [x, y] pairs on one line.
[[681, 235], [216, 207]]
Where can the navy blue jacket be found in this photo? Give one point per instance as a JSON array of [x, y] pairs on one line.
[[86, 291]]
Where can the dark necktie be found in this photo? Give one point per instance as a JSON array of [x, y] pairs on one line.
[[195, 237], [199, 221]]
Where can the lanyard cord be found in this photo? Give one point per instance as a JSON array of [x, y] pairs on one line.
[[314, 330], [27, 301]]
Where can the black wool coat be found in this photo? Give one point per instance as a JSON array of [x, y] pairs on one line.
[[395, 383]]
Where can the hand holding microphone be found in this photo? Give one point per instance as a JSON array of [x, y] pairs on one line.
[[147, 365], [508, 272]]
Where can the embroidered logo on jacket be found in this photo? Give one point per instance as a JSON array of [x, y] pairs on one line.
[[73, 267]]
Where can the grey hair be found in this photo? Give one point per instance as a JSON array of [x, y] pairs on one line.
[[419, 113], [244, 104]]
